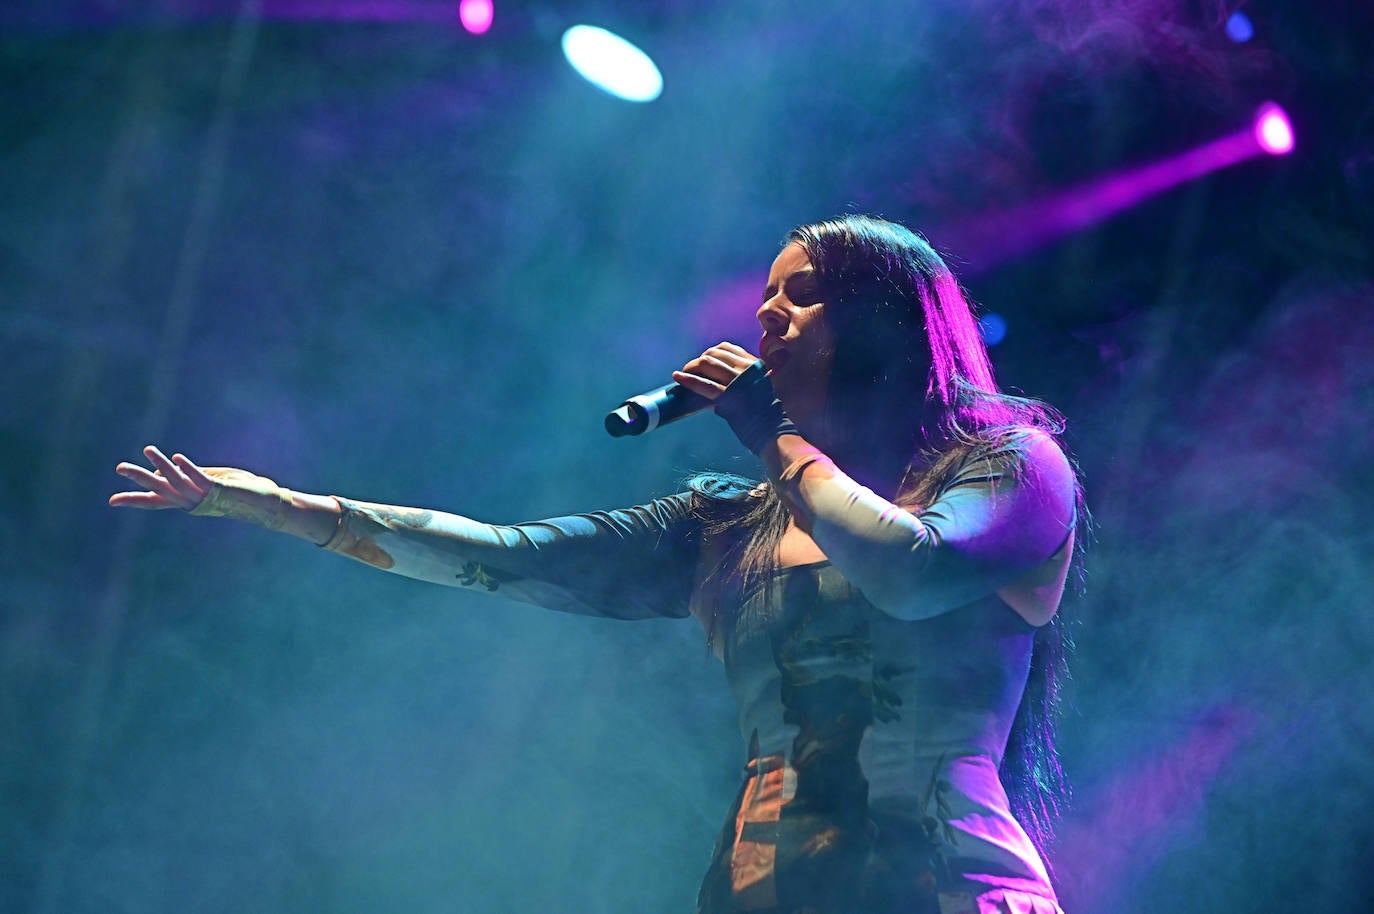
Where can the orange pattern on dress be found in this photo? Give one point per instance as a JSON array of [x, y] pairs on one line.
[[753, 864]]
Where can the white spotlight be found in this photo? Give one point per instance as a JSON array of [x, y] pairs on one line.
[[612, 64]]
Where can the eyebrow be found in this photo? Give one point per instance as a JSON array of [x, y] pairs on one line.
[[807, 275]]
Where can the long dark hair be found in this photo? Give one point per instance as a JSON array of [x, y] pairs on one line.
[[910, 369]]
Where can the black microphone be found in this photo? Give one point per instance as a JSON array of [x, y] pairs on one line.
[[648, 411]]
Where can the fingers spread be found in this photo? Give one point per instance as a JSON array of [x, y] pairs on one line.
[[165, 467], [193, 472], [173, 474], [172, 483], [151, 481]]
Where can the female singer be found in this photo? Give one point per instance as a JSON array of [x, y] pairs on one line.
[[884, 604]]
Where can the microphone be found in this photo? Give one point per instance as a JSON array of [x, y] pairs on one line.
[[648, 411]]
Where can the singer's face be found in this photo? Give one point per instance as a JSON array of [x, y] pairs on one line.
[[798, 343]]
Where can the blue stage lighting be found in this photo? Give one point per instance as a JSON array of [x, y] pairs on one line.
[[993, 327], [1239, 28]]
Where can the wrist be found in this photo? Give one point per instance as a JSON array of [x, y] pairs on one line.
[[753, 411], [240, 495], [789, 457], [244, 496]]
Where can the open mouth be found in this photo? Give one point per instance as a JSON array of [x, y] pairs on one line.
[[775, 358]]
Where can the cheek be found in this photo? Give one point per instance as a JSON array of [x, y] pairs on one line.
[[824, 336]]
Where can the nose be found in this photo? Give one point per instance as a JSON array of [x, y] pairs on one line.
[[771, 317]]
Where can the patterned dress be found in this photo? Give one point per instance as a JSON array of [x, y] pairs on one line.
[[871, 777], [875, 690]]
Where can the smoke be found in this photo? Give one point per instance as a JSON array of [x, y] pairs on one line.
[[1228, 606], [431, 274]]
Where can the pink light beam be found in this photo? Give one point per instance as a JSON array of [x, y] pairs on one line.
[[381, 11], [994, 238], [1132, 820]]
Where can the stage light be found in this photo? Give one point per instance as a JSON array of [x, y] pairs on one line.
[[993, 328], [1273, 131], [612, 64], [1239, 28], [475, 15], [995, 237]]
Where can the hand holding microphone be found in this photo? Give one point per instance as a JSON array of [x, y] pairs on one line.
[[693, 390], [727, 377]]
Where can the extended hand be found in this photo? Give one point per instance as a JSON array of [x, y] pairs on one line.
[[174, 483], [711, 372]]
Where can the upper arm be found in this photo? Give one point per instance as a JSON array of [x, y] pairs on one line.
[[999, 518]]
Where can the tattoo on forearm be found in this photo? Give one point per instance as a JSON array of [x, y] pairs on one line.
[[418, 518], [490, 578]]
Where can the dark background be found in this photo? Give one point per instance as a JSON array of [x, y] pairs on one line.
[[395, 261]]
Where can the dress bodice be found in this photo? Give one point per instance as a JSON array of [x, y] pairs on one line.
[[873, 747]]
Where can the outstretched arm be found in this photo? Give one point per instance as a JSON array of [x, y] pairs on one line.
[[629, 564]]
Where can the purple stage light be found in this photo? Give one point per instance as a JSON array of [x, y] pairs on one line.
[[1132, 819], [726, 311], [1239, 28], [357, 11], [989, 239], [475, 15], [1273, 130]]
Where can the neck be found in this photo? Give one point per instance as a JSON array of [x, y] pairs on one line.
[[867, 453]]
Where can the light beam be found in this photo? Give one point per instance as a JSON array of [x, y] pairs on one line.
[[994, 238]]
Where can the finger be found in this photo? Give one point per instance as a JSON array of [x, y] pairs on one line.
[[194, 472], [172, 473], [148, 501], [141, 475], [152, 482], [704, 386], [161, 462], [713, 368], [736, 353]]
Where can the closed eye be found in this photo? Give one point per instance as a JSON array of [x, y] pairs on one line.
[[802, 288]]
